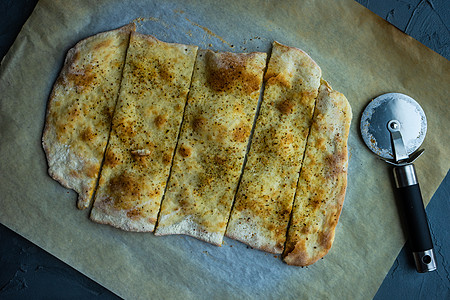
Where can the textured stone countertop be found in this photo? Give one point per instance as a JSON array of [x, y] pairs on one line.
[[28, 272]]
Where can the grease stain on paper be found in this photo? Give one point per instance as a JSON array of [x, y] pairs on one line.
[[210, 33]]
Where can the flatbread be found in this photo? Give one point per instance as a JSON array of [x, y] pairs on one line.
[[80, 109], [264, 200], [323, 181], [210, 152], [145, 127]]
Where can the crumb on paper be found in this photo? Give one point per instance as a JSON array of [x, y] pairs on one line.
[[140, 20]]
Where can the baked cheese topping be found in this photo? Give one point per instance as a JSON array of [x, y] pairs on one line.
[[264, 200], [211, 148], [144, 133], [80, 109], [177, 138], [323, 181]]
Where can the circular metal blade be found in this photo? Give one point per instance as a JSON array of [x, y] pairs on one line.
[[385, 108]]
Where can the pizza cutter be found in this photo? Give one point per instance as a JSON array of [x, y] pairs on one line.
[[393, 126]]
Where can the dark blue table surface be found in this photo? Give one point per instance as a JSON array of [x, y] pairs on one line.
[[28, 272]]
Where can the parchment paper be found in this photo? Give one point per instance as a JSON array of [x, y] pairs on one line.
[[360, 54]]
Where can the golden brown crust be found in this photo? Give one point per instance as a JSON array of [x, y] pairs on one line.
[[323, 181], [144, 133], [212, 144], [226, 73], [264, 200], [80, 108]]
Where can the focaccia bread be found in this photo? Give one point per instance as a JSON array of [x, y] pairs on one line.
[[80, 109], [146, 123], [323, 181], [264, 200], [211, 148]]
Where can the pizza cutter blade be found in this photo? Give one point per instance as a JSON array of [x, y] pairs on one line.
[[393, 126]]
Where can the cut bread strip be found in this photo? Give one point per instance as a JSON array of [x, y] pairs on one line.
[[211, 149], [145, 127], [80, 109], [264, 200], [323, 181]]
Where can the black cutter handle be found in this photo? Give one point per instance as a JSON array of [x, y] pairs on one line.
[[410, 197]]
